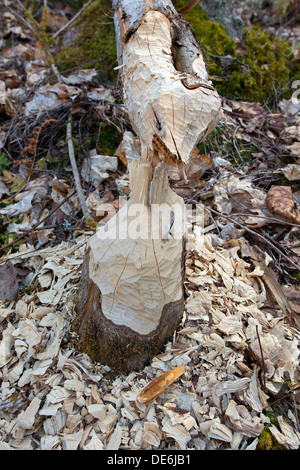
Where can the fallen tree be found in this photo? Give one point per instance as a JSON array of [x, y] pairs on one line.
[[131, 296]]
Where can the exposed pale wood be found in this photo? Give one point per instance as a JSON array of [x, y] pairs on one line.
[[170, 101], [131, 296], [159, 385], [136, 278]]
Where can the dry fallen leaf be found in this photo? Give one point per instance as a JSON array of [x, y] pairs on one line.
[[294, 148], [159, 385], [3, 189], [291, 172], [49, 96], [198, 165], [280, 201], [9, 282]]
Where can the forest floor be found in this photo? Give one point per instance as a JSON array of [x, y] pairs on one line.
[[238, 342]]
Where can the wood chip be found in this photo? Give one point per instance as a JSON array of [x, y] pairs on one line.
[[53, 397], [159, 385]]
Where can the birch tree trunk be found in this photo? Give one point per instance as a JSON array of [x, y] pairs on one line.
[[131, 296]]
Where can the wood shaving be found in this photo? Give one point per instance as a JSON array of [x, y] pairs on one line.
[[53, 397]]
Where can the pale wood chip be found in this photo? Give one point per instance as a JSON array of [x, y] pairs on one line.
[[152, 434], [72, 441], [26, 418], [115, 439], [240, 420], [288, 437], [177, 432]]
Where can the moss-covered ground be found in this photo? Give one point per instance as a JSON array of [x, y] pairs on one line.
[[94, 44], [256, 69]]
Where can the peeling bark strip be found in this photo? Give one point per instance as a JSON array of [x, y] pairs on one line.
[[131, 296]]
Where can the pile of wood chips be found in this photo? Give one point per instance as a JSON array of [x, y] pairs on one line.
[[224, 367]]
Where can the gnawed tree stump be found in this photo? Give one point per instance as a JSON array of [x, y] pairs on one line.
[[131, 296]]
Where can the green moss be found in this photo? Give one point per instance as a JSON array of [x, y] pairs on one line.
[[266, 66], [6, 237], [260, 66], [95, 42], [296, 276], [272, 417], [109, 140], [5, 163], [266, 441], [211, 35]]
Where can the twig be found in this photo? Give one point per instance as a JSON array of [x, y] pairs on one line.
[[67, 25], [20, 18], [56, 73], [271, 219], [188, 7], [296, 411], [75, 169], [234, 143], [254, 234], [37, 224], [76, 229], [262, 360], [276, 401]]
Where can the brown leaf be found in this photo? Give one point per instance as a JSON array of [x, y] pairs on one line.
[[292, 294], [39, 238], [294, 148], [280, 201], [9, 283], [276, 125], [159, 385], [246, 108], [60, 187], [197, 166]]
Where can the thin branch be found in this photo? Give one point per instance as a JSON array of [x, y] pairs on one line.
[[234, 143], [37, 224], [262, 360], [56, 73], [75, 170], [255, 234], [20, 18], [270, 219], [67, 25], [188, 7]]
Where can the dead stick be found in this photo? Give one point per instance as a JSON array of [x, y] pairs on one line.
[[276, 401], [75, 169], [37, 224], [67, 25], [253, 233], [188, 7], [49, 227], [262, 360], [296, 411]]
